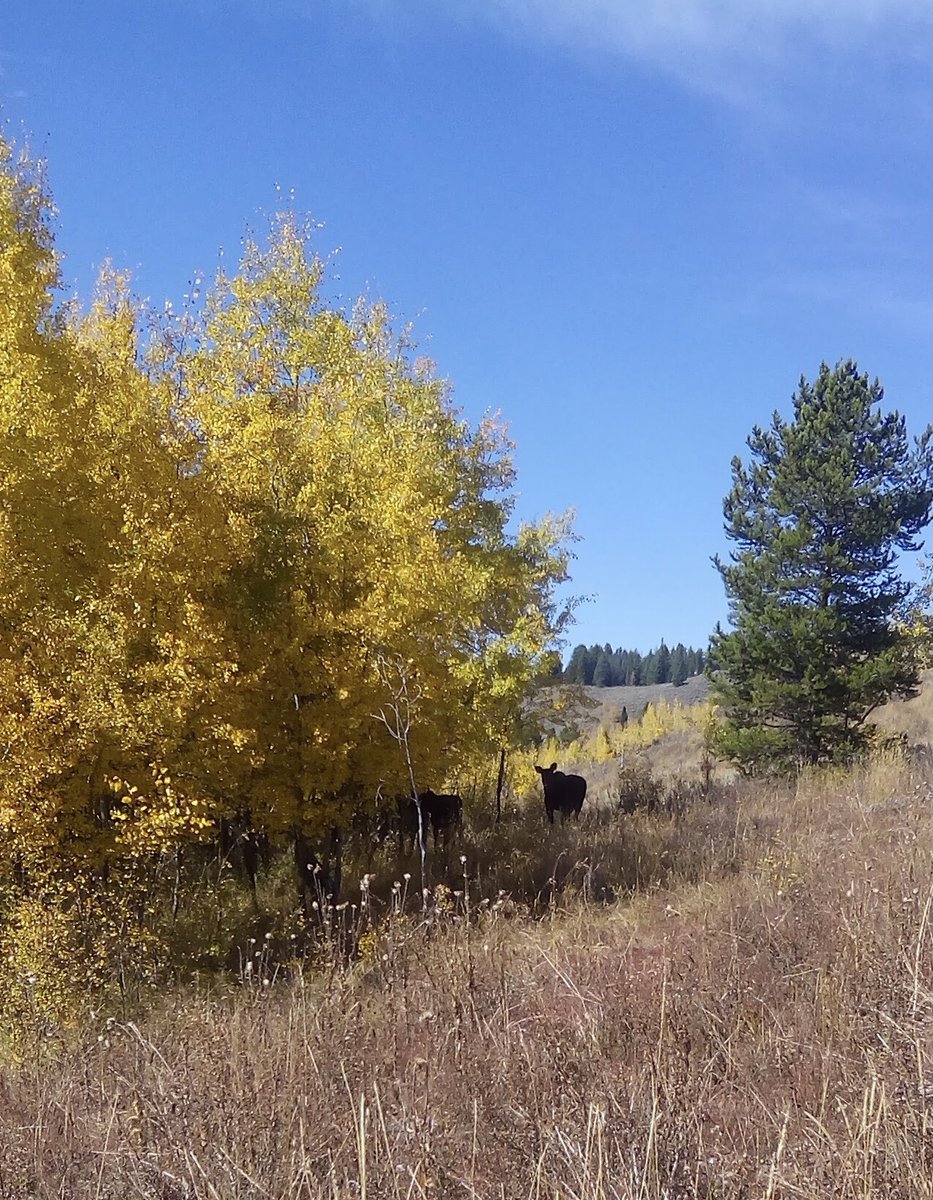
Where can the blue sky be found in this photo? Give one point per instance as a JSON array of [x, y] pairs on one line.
[[628, 226]]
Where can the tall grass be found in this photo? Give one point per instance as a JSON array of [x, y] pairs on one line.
[[750, 1016]]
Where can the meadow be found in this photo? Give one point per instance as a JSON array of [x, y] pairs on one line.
[[731, 996]]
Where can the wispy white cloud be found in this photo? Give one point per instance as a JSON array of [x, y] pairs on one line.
[[716, 45], [878, 297], [720, 45], [643, 24], [663, 28]]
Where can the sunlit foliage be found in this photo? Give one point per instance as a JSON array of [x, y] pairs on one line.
[[215, 529]]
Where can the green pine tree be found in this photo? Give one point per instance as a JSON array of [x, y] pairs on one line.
[[602, 673], [577, 666], [616, 669], [589, 663], [817, 518], [679, 668]]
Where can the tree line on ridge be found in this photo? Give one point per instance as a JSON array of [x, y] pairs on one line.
[[601, 666]]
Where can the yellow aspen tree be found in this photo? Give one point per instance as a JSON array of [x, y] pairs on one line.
[[95, 550], [364, 519], [91, 502], [207, 551], [205, 560]]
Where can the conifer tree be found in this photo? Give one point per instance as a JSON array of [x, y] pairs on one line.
[[679, 668], [576, 668], [817, 517], [589, 663], [602, 674]]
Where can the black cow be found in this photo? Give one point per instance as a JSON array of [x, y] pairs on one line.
[[442, 811], [445, 812], [562, 793]]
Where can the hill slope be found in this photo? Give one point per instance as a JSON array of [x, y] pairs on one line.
[[602, 706], [589, 707]]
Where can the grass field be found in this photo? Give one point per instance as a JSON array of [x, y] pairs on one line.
[[751, 1017]]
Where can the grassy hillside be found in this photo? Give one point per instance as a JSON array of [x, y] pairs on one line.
[[602, 706], [589, 707], [609, 701], [913, 718]]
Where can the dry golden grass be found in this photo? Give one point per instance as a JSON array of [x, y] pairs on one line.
[[753, 1019], [913, 718]]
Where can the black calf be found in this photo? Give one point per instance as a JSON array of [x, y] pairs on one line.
[[562, 793]]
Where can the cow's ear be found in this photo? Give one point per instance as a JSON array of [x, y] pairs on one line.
[[552, 767]]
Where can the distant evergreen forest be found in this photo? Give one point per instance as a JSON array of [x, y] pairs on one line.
[[602, 666]]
